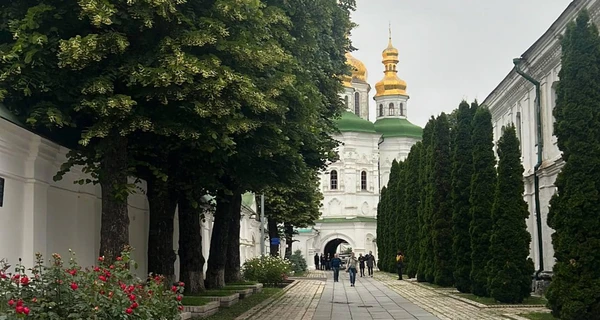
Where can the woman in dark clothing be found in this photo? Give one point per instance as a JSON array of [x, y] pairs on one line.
[[322, 262], [399, 264]]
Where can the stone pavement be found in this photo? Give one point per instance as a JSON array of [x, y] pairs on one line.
[[369, 299]]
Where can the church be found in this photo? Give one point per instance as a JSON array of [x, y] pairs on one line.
[[351, 186]]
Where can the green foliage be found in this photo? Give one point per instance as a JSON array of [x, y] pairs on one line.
[[106, 291], [574, 213], [400, 214], [383, 235], [441, 204], [509, 268], [298, 262], [411, 208], [426, 260], [483, 184], [462, 170], [267, 269]]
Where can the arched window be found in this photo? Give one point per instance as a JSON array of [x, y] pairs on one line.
[[363, 180], [357, 103], [381, 110], [346, 100], [401, 108], [391, 110], [333, 178]]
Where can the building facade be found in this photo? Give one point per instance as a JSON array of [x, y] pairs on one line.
[[351, 186], [513, 102]]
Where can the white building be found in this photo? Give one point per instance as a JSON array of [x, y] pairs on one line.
[[513, 101], [40, 215], [351, 185]]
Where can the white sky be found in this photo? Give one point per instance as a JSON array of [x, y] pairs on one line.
[[449, 49]]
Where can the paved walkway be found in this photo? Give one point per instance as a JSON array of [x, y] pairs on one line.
[[369, 299]]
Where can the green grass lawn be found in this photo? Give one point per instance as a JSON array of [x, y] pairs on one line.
[[491, 301], [216, 293], [236, 287], [538, 316], [194, 301], [244, 305], [243, 283]]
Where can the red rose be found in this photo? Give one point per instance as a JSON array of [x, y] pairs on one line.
[[179, 298], [174, 289], [26, 311], [11, 302], [131, 297], [181, 284], [134, 305], [180, 308], [119, 258], [19, 309], [103, 278], [100, 259], [129, 311], [74, 286]]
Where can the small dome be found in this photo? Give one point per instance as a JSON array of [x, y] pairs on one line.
[[398, 127], [390, 84], [349, 122], [359, 70]]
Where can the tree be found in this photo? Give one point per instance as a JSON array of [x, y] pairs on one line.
[[382, 228], [574, 213], [411, 207], [509, 269], [462, 170], [483, 184], [426, 260], [401, 215], [442, 208]]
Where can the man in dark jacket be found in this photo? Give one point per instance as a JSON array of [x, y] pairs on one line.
[[370, 260], [317, 259], [361, 264], [336, 263]]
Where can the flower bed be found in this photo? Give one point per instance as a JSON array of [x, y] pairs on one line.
[[105, 291], [268, 270], [200, 307]]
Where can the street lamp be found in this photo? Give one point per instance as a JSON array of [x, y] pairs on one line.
[[540, 147]]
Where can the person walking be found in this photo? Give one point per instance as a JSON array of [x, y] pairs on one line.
[[370, 259], [351, 264], [322, 262], [336, 263], [399, 264], [361, 264], [317, 259]]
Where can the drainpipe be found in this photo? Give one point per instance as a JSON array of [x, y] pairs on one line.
[[540, 147]]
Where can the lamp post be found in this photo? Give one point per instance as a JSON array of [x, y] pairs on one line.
[[540, 147]]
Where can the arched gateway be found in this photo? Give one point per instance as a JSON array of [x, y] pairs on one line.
[[331, 247]]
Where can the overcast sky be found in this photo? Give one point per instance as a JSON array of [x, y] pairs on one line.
[[449, 50]]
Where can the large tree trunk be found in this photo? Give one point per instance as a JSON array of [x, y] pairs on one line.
[[215, 275], [191, 260], [114, 230], [162, 200], [232, 264], [273, 233]]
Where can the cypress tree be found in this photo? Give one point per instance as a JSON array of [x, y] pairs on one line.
[[426, 261], [382, 229], [400, 221], [483, 184], [442, 209], [509, 269], [389, 255], [462, 170], [411, 207], [574, 213]]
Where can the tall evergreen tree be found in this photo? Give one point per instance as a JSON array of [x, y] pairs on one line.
[[442, 208], [509, 269], [391, 218], [574, 213], [400, 214], [382, 228], [483, 183], [426, 260], [411, 208], [462, 170]]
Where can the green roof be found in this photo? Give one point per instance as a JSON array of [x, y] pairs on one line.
[[397, 127], [7, 115], [344, 220], [349, 122]]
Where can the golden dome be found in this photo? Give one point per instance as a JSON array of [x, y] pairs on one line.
[[359, 70], [390, 84]]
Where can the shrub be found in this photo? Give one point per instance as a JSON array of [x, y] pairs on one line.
[[101, 292], [268, 270], [298, 261]]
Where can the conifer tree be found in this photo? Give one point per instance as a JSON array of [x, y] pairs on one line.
[[574, 213], [509, 269], [426, 261], [411, 207], [483, 183], [400, 218], [462, 170], [442, 209], [382, 228], [387, 257]]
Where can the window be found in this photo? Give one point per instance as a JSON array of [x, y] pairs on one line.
[[401, 108], [333, 177], [391, 110], [381, 110], [519, 125], [346, 99], [357, 103], [363, 180]]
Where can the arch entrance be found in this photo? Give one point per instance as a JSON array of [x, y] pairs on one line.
[[334, 246]]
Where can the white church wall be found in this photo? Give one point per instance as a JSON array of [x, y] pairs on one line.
[[513, 101], [393, 148]]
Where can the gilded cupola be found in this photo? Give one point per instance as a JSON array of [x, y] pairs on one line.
[[390, 84], [358, 69]]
